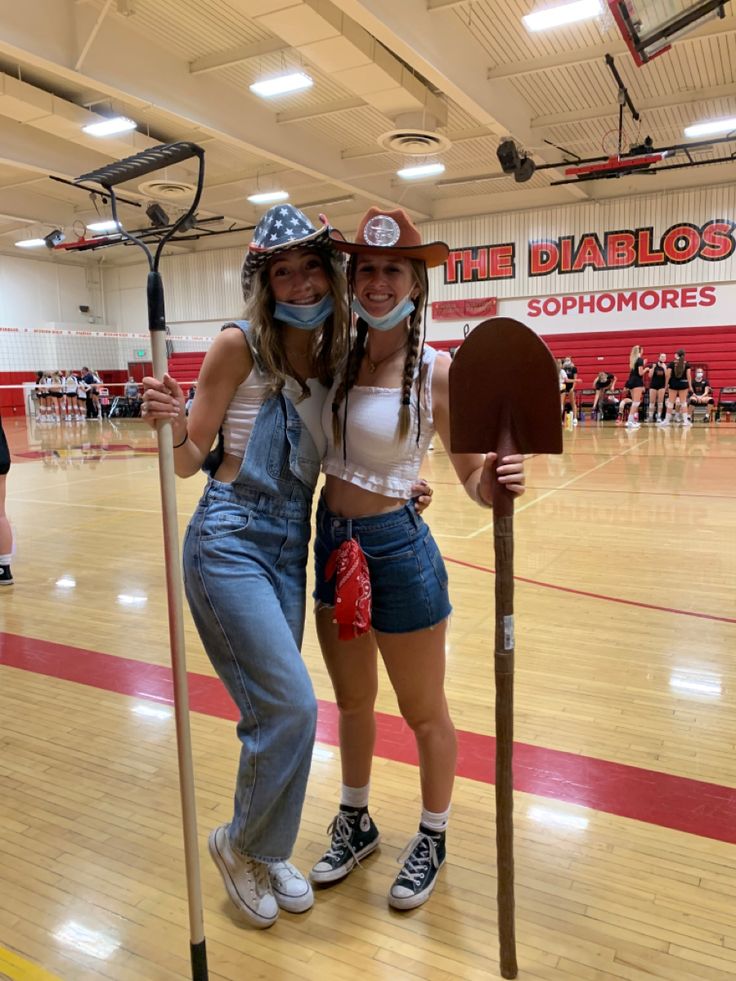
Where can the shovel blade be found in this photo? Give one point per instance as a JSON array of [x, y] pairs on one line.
[[504, 380]]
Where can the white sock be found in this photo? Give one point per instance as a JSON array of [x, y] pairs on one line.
[[435, 820], [5, 559], [355, 796]]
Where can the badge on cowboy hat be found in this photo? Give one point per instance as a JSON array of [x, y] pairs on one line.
[[391, 233]]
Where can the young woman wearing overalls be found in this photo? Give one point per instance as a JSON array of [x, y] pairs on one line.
[[262, 385], [379, 577]]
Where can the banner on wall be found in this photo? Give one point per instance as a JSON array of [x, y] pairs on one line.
[[569, 255], [474, 309], [710, 305]]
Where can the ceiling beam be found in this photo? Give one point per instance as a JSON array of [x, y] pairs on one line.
[[234, 56], [326, 109], [715, 28], [444, 51], [119, 65], [645, 105]]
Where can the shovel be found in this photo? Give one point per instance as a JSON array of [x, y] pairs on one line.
[[504, 397]]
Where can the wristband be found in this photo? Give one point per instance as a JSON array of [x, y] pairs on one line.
[[177, 445]]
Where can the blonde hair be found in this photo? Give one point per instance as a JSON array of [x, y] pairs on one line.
[[414, 346], [328, 344], [635, 353]]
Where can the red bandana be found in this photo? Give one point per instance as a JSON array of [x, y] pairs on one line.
[[352, 589]]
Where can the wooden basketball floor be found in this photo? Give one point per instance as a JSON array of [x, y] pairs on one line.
[[625, 809]]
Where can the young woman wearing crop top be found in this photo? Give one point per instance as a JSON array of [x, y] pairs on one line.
[[380, 582], [261, 385]]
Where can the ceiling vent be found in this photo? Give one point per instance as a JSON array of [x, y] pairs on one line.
[[164, 190], [413, 142]]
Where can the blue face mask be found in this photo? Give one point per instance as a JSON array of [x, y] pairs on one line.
[[389, 320], [306, 317]]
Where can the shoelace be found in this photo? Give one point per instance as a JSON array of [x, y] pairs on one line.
[[259, 872], [341, 829], [283, 871], [415, 865]]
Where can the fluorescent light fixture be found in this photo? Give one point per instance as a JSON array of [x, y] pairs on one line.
[[711, 128], [420, 170], [568, 13], [268, 197], [110, 127], [104, 226], [551, 818], [31, 243], [281, 84]]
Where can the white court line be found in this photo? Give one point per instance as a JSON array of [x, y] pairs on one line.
[[567, 483]]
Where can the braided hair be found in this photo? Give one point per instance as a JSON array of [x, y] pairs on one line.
[[414, 353]]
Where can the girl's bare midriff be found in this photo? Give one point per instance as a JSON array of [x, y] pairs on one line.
[[348, 501]]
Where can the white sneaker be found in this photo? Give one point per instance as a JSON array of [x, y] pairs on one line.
[[291, 890], [574, 421], [687, 421], [633, 425], [246, 880]]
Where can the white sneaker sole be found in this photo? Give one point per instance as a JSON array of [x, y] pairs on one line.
[[262, 922], [334, 875], [411, 902], [294, 904]]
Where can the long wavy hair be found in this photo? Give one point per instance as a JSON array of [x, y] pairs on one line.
[[635, 353], [414, 353], [679, 369], [328, 344]]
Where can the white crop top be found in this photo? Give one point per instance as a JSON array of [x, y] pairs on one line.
[[376, 461], [248, 399]]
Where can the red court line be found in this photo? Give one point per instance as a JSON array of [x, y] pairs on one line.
[[694, 806], [600, 596]]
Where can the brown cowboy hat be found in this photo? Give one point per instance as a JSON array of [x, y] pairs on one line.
[[392, 233]]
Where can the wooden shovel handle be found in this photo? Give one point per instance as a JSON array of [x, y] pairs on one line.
[[503, 543]]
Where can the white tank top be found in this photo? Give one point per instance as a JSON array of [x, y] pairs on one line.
[[375, 460], [248, 398]]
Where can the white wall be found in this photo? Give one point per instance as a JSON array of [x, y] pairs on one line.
[[34, 292]]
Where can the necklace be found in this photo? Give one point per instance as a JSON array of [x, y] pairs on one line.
[[372, 365]]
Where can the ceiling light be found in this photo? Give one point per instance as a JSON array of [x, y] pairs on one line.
[[281, 84], [104, 226], [568, 13], [109, 127], [711, 127], [421, 170], [268, 197], [31, 243]]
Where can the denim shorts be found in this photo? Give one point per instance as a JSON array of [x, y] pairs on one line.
[[408, 575]]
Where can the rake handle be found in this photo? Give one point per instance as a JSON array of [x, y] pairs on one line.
[[503, 664]]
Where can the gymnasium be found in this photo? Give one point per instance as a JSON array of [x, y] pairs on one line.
[[580, 166]]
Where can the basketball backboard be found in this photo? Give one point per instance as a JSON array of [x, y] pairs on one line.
[[650, 26]]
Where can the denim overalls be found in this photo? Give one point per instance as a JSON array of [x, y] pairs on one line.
[[245, 556]]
